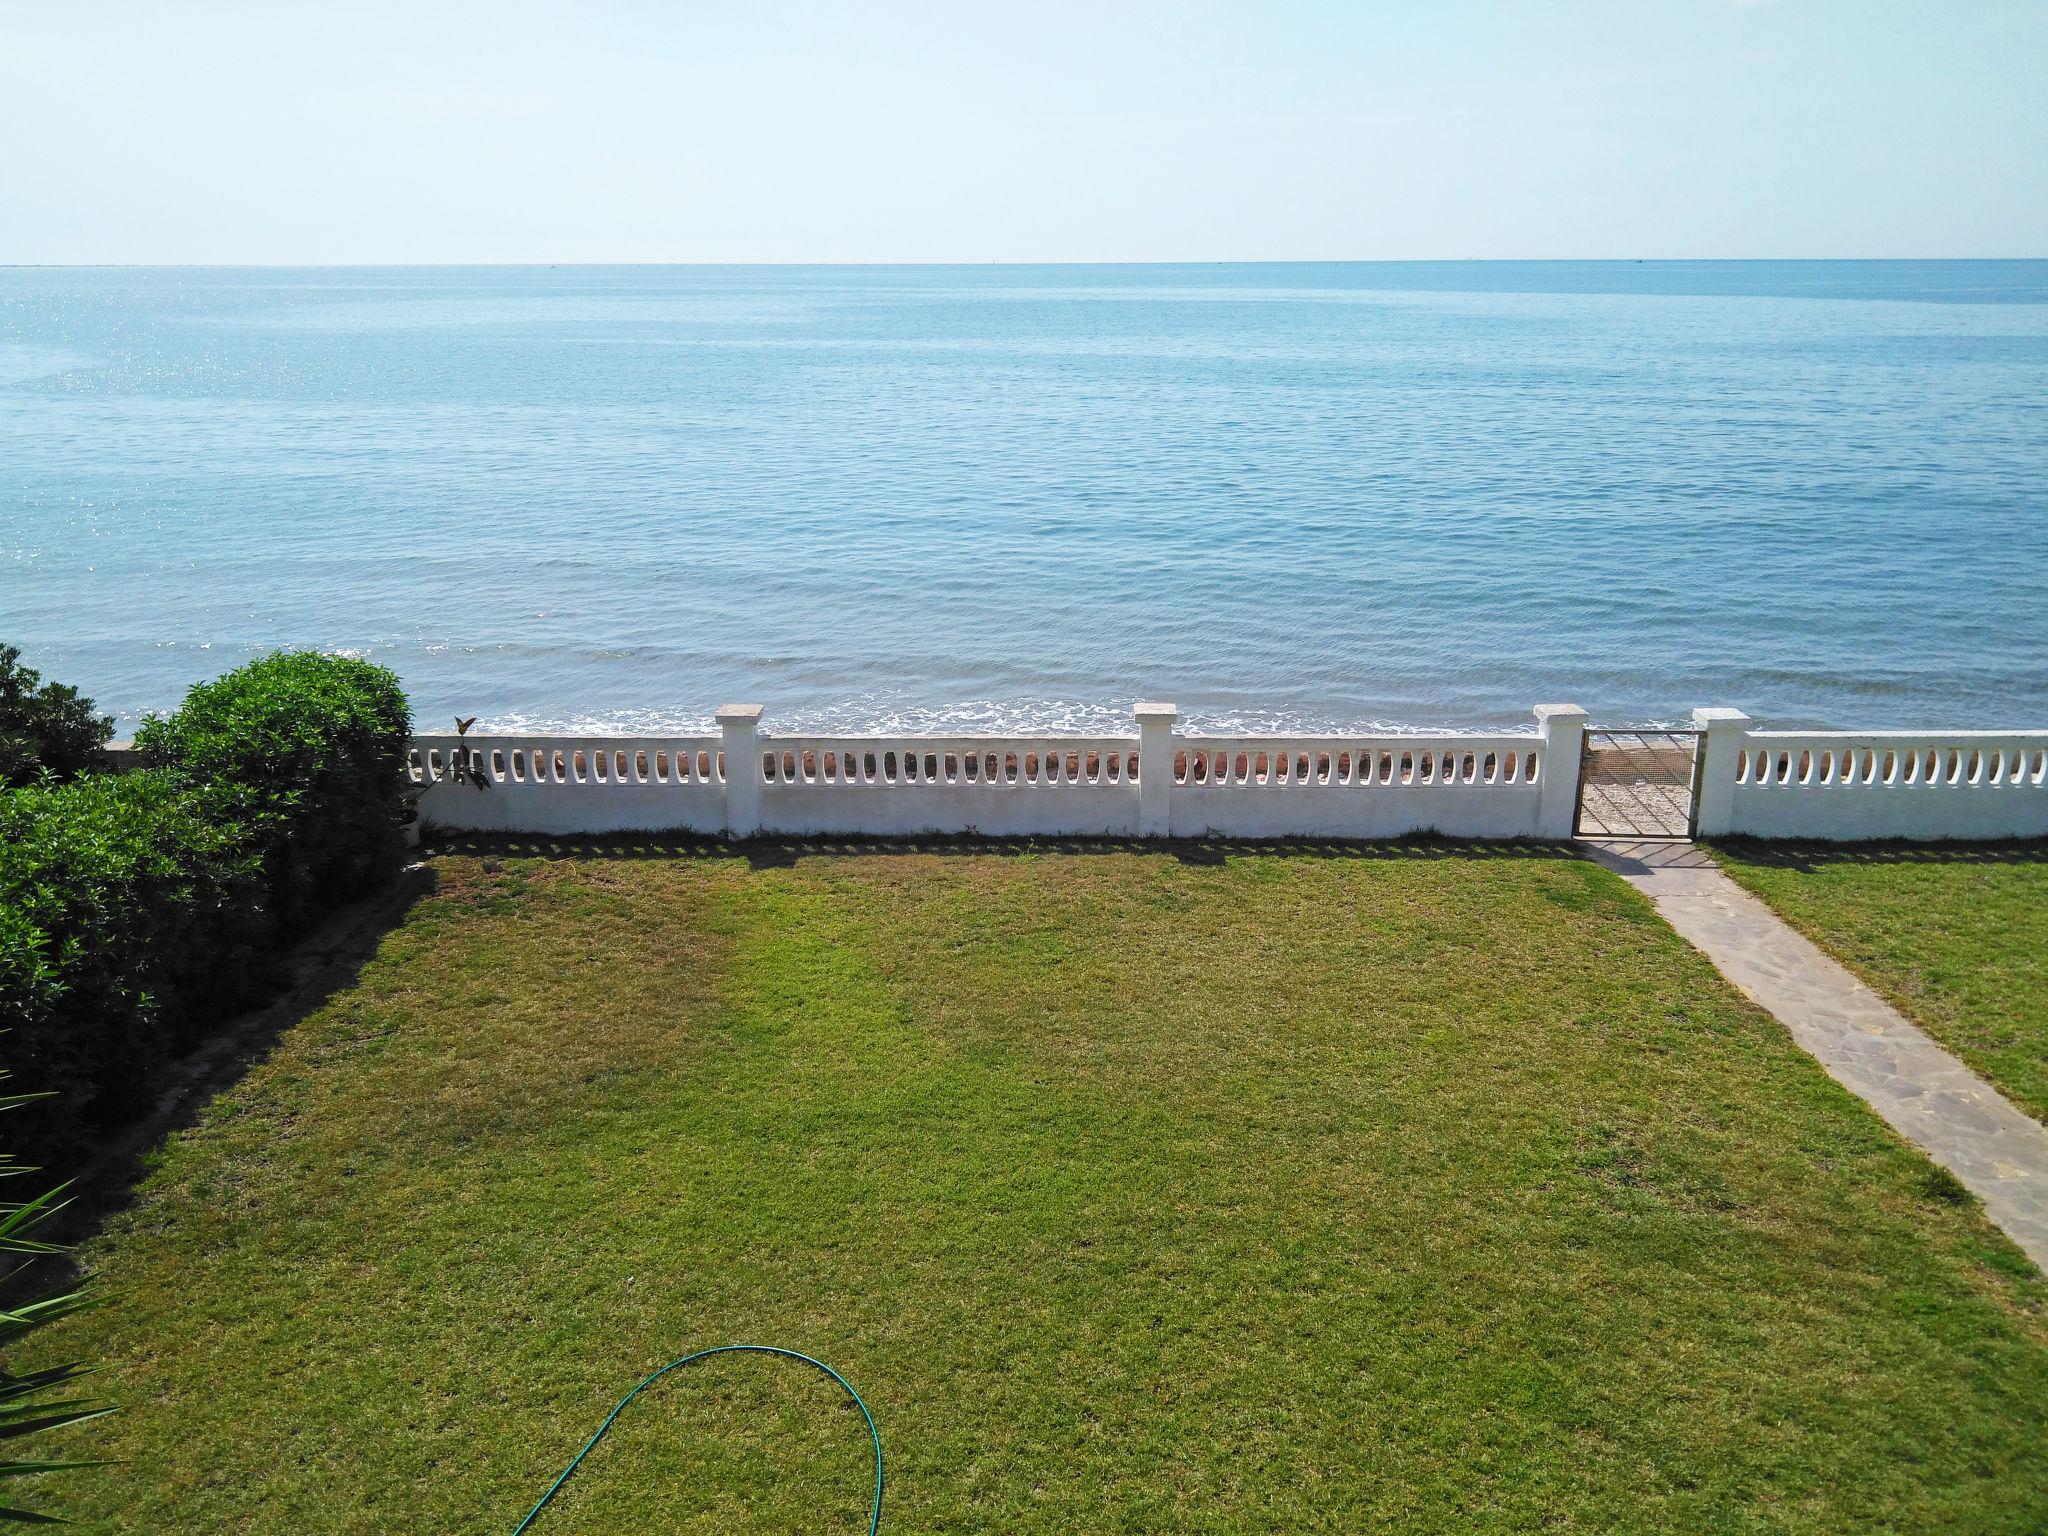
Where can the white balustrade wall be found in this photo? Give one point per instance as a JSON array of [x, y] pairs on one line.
[[1851, 786], [571, 784], [1359, 787], [1151, 783], [1821, 785], [999, 785]]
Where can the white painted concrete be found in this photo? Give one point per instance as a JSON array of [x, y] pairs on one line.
[[1153, 784], [1722, 733], [562, 785], [1358, 786], [1786, 784], [739, 727], [1155, 768], [1843, 786], [996, 786], [1563, 729]]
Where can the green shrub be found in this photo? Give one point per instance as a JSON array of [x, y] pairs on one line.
[[308, 750], [138, 910], [132, 914], [45, 728]]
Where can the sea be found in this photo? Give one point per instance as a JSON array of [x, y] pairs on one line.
[[1299, 496]]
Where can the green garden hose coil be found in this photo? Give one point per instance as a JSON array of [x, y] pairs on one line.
[[874, 1516]]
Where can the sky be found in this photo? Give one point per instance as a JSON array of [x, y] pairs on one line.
[[965, 130]]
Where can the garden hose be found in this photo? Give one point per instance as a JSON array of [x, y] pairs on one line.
[[874, 1516]]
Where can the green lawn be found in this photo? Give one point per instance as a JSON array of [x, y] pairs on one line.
[[1275, 1192], [1956, 938]]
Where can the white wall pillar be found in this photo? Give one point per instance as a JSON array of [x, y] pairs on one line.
[[1562, 728], [1155, 768], [1722, 733], [740, 725]]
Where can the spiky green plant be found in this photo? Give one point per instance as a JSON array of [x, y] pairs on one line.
[[26, 1405]]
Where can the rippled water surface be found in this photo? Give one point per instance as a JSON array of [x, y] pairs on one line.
[[1335, 495]]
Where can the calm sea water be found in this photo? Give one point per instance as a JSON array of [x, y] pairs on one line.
[[1306, 494]]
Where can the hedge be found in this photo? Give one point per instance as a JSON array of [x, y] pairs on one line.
[[136, 910], [308, 749], [129, 903]]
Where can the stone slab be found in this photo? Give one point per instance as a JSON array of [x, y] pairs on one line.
[[1927, 1095]]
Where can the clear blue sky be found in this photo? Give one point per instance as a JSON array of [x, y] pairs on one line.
[[881, 130]]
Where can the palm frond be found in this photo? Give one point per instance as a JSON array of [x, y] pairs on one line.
[[25, 1405]]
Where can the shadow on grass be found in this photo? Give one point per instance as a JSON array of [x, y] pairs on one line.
[[782, 853], [1808, 858], [325, 961]]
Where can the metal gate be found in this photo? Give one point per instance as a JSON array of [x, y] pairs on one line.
[[1639, 784]]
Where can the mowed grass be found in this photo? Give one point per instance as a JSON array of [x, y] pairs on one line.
[[1268, 1192], [1956, 939]]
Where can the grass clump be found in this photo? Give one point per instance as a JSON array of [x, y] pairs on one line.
[[1240, 1193]]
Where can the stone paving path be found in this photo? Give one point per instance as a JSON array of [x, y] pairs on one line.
[[1865, 1044]]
